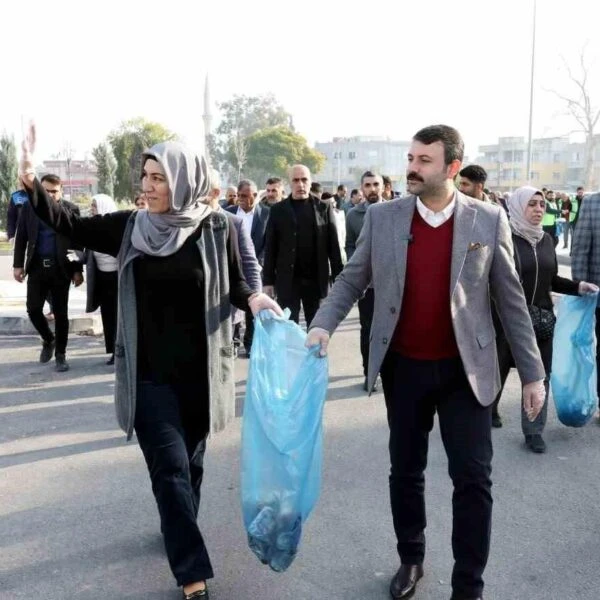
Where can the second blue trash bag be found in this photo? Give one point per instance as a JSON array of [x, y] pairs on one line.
[[282, 438], [574, 374]]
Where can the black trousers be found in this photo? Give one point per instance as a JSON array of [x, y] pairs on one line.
[[171, 429], [106, 288], [42, 281], [366, 305], [249, 331], [305, 291], [506, 363], [414, 391]]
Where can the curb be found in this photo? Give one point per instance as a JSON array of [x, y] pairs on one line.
[[19, 325]]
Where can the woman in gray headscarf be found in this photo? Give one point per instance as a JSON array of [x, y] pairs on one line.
[[537, 265], [179, 269], [102, 280]]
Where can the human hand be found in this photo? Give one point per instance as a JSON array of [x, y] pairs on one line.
[[534, 395], [260, 302], [587, 289], [26, 163], [269, 290], [318, 337], [77, 279], [19, 275]]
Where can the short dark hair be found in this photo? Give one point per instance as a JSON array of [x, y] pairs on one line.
[[474, 173], [53, 179], [315, 187], [580, 188], [368, 174], [341, 187], [454, 147], [274, 181], [354, 192], [246, 182], [326, 196], [387, 180]]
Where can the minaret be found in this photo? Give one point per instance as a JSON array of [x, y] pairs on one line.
[[207, 116]]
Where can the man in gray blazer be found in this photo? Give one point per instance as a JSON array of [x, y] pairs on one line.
[[433, 259], [585, 252]]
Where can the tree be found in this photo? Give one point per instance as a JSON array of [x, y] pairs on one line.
[[271, 151], [128, 143], [106, 166], [243, 116], [8, 173], [580, 106]]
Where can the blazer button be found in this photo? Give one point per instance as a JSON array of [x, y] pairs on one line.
[[385, 340], [393, 310]]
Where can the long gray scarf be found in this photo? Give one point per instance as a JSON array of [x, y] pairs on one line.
[[187, 175]]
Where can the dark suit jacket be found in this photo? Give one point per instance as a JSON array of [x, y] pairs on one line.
[[259, 228], [26, 241], [280, 247]]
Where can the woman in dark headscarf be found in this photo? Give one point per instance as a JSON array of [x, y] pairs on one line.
[[179, 268], [537, 265]]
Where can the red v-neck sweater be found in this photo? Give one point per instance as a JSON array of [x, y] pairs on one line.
[[424, 330]]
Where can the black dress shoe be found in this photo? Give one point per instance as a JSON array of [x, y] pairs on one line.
[[111, 360], [61, 363], [200, 594], [535, 443], [47, 351], [404, 583]]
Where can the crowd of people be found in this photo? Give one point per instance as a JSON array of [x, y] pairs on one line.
[[452, 281]]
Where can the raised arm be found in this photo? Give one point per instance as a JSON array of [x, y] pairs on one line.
[[100, 233]]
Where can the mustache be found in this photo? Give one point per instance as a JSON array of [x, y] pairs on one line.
[[412, 176]]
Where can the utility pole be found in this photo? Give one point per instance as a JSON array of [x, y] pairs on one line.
[[530, 144]]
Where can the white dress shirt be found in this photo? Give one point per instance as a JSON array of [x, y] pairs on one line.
[[435, 219], [247, 218]]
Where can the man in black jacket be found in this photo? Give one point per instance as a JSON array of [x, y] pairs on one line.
[[301, 246], [41, 254], [372, 188]]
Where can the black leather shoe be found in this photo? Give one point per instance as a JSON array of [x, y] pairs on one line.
[[496, 420], [199, 595], [404, 583], [47, 351], [535, 443], [61, 363], [111, 360]]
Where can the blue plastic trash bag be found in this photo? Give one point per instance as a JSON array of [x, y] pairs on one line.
[[282, 437], [574, 374]]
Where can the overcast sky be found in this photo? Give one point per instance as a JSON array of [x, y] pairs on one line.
[[383, 68]]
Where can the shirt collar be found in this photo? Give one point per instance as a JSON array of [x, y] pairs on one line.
[[445, 214]]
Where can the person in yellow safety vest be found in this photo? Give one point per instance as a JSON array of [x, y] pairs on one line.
[[550, 216], [577, 202], [567, 211]]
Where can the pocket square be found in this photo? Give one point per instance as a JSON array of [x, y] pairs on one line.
[[476, 246]]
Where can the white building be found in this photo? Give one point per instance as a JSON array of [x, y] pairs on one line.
[[349, 158]]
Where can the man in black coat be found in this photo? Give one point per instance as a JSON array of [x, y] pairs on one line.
[[41, 255], [302, 250]]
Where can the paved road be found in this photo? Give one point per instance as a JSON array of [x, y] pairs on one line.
[[77, 518]]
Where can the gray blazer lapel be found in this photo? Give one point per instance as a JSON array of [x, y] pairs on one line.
[[464, 219], [401, 224]]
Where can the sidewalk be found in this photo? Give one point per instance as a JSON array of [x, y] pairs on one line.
[[13, 312]]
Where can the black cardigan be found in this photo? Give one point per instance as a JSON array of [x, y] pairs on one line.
[[542, 262]]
